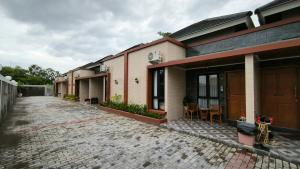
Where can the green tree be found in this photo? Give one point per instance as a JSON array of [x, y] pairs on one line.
[[34, 75], [164, 34], [51, 74], [35, 70]]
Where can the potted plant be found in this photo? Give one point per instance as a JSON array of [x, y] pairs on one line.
[[186, 100], [246, 132]]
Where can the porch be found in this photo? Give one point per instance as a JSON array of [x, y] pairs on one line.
[[92, 89], [263, 80], [61, 88], [284, 145]]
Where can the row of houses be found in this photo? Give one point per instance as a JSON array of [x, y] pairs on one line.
[[224, 60]]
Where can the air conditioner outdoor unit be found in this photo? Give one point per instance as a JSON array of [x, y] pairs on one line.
[[103, 68], [155, 57]]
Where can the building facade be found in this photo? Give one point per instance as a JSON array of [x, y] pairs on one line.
[[224, 61]]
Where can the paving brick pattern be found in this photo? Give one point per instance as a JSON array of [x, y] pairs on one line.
[[46, 132], [283, 146]]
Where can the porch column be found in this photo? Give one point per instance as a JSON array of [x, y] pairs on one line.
[[252, 87], [83, 90], [91, 89], [104, 89], [175, 90], [61, 90]]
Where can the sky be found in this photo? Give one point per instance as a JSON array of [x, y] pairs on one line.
[[64, 34]]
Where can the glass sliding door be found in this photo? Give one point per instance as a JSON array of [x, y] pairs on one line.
[[208, 94], [202, 94], [213, 90], [158, 90]]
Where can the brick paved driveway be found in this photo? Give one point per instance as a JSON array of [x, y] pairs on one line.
[[46, 132]]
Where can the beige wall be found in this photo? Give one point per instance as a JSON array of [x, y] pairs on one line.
[[137, 68], [96, 88], [60, 78], [71, 86], [174, 52], [175, 90], [83, 89], [116, 68], [62, 89], [83, 73], [59, 88]]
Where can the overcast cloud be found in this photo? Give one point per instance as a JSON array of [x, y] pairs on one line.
[[64, 34]]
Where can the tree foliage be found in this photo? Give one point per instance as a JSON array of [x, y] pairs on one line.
[[34, 75], [164, 34]]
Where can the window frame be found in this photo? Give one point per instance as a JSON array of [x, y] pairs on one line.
[[160, 83], [208, 97]]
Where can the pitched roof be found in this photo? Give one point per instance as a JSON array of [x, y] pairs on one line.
[[132, 47], [86, 65], [272, 4], [209, 23], [98, 62]]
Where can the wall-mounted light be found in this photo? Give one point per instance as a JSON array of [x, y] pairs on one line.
[[136, 80], [116, 82]]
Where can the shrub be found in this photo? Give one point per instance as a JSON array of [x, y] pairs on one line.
[[116, 98], [71, 97], [131, 108]]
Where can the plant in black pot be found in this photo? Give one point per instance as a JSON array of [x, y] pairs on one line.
[[246, 132], [186, 100]]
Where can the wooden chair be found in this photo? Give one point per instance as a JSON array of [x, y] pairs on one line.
[[193, 108], [185, 111], [215, 110]]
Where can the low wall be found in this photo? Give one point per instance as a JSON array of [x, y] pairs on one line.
[[8, 94], [36, 90]]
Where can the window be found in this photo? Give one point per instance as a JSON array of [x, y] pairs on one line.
[[208, 90], [158, 89]]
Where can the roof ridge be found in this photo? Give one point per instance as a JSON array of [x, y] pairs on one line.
[[222, 16], [208, 21], [271, 5]]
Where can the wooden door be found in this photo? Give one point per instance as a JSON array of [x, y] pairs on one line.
[[279, 96], [236, 106]]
